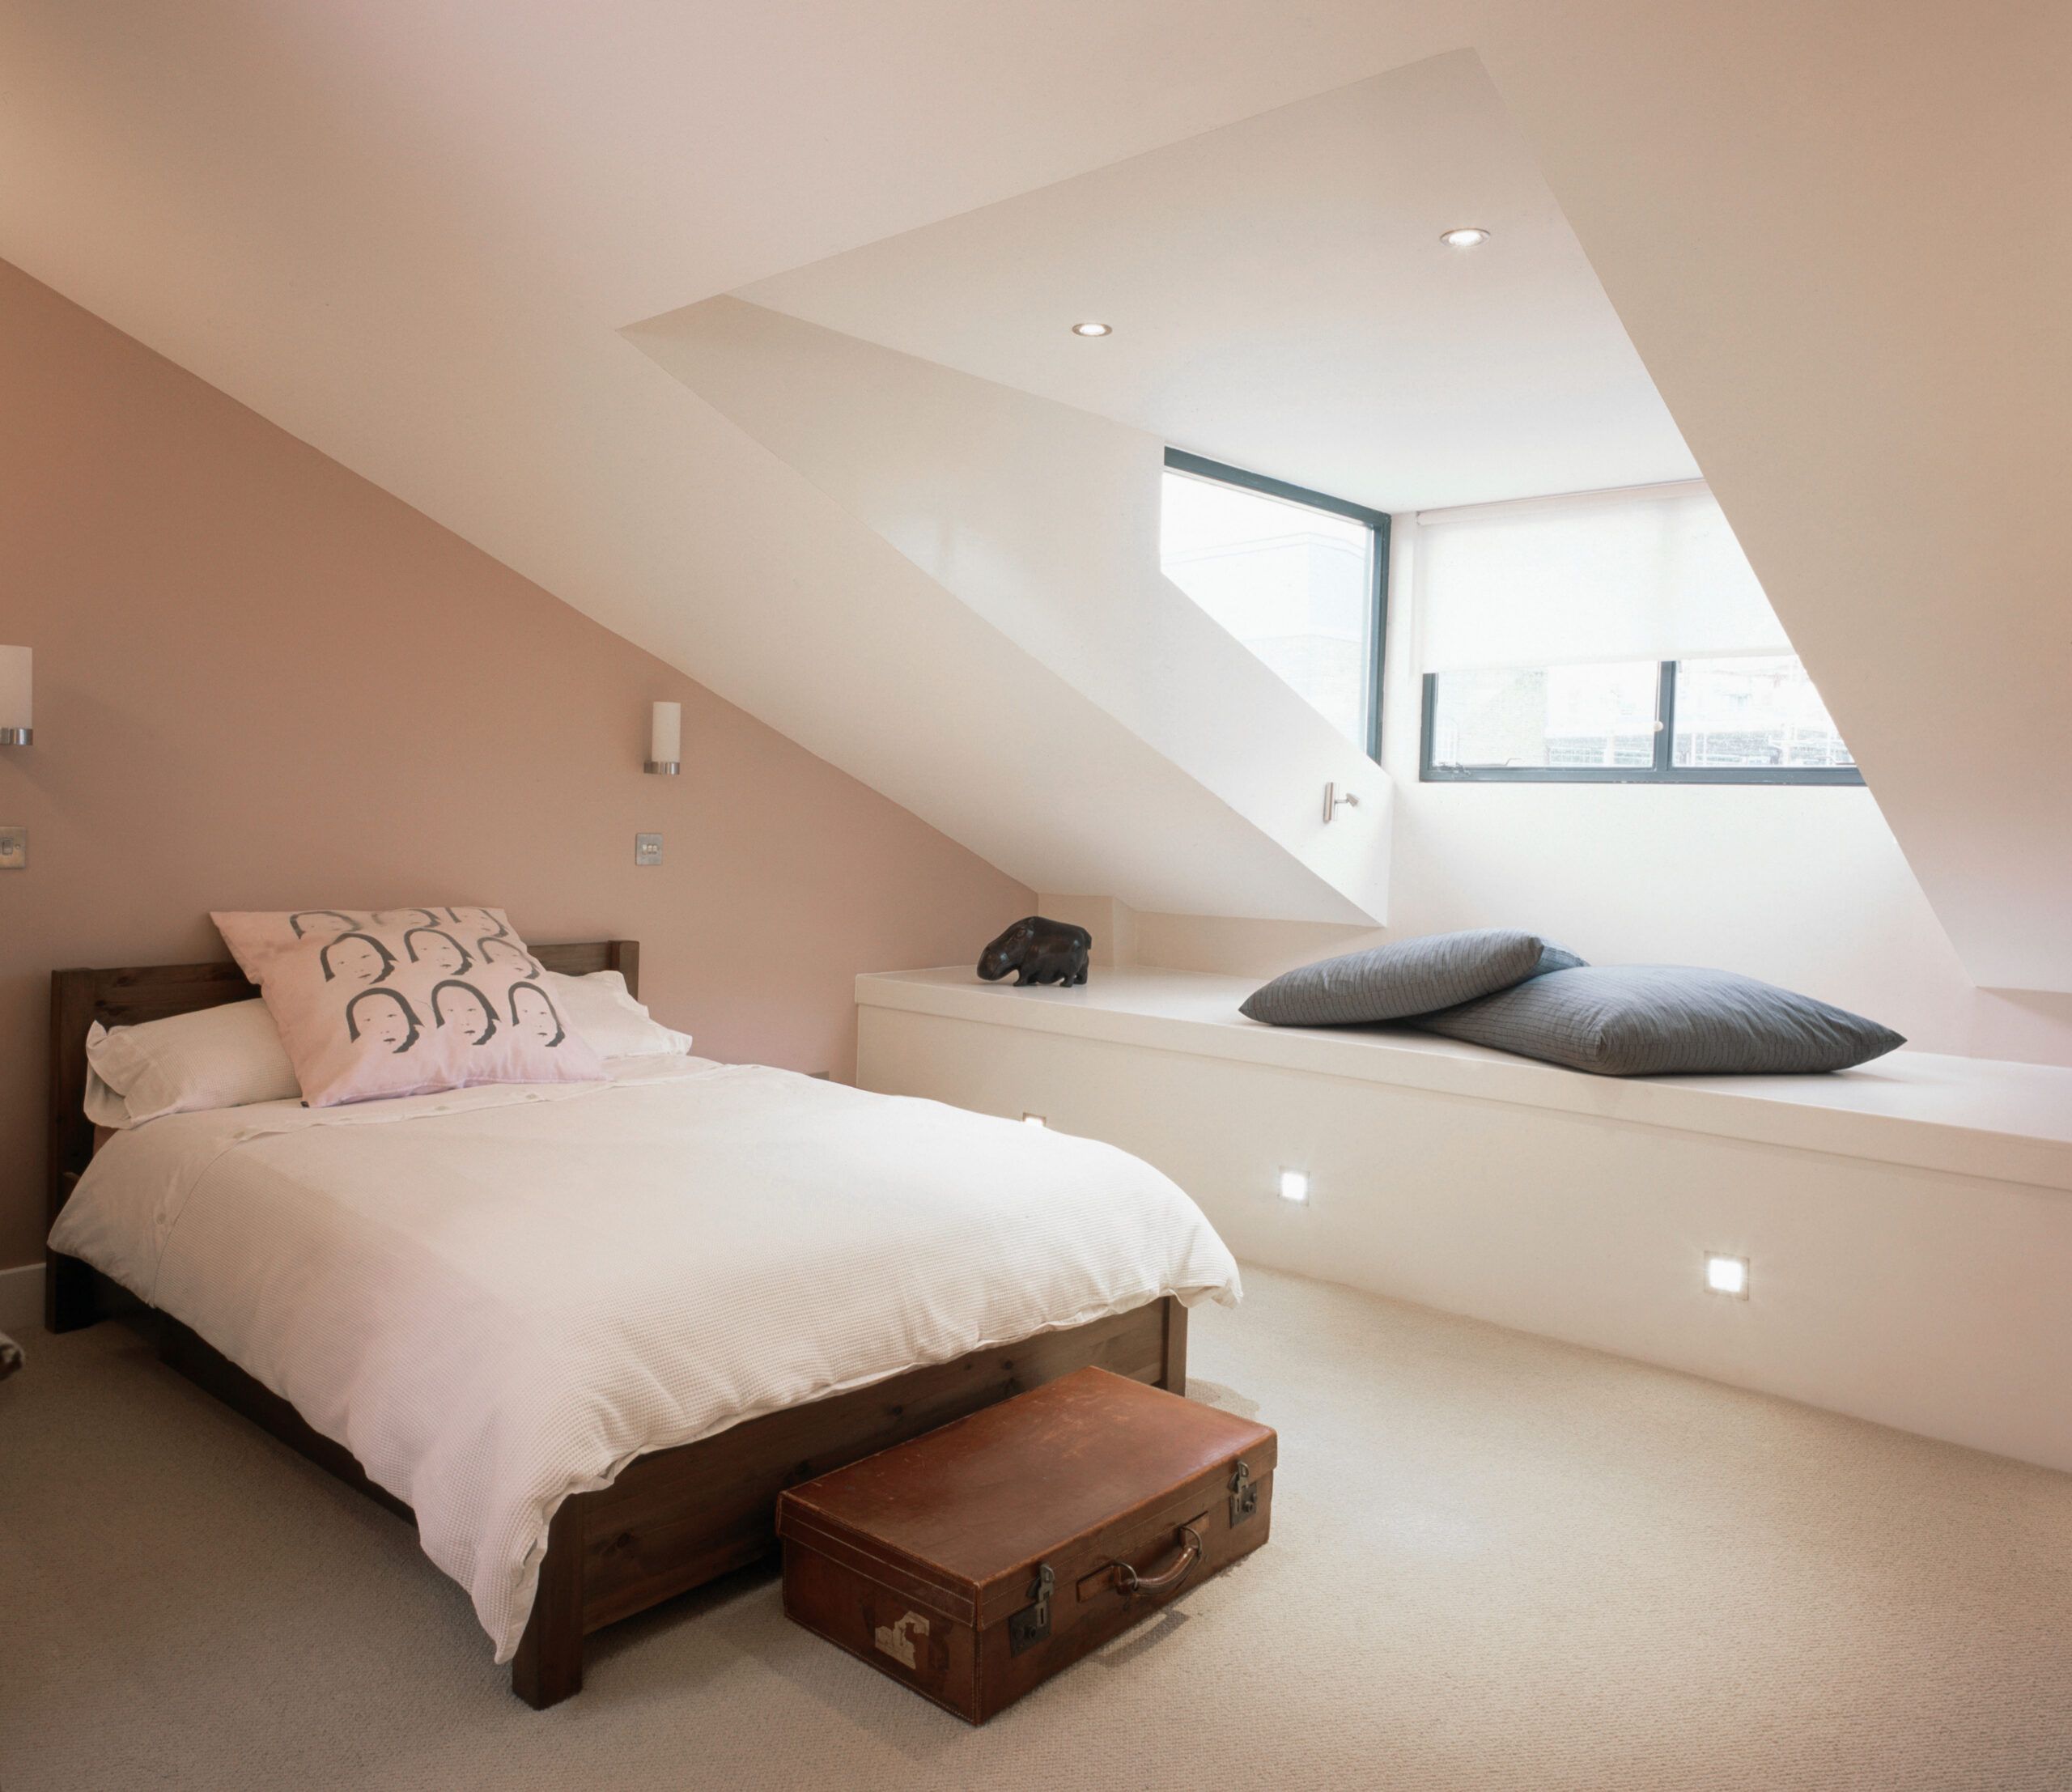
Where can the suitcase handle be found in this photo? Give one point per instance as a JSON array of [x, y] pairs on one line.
[[1129, 1583]]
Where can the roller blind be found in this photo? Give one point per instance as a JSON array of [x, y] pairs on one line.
[[1653, 573]]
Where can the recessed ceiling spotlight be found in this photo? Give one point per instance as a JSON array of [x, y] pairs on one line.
[[1093, 329], [1468, 236]]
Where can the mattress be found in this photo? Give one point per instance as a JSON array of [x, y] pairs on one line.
[[496, 1297]]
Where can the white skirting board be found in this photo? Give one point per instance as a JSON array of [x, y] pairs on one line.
[[1923, 1295], [21, 1299]]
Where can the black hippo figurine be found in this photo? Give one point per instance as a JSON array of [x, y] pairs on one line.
[[1044, 952]]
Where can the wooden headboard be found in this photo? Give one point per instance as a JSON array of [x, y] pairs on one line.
[[135, 993]]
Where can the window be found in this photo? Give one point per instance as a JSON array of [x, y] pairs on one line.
[[1751, 719], [1615, 637], [1753, 712], [1300, 578], [1544, 716]]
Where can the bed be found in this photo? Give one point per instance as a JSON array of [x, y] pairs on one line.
[[591, 1332]]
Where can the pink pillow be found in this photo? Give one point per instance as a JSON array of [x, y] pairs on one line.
[[406, 1001]]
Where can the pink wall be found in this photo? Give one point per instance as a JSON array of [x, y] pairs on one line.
[[263, 682]]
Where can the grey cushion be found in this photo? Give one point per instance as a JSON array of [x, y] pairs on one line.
[[1405, 977], [1648, 1020]]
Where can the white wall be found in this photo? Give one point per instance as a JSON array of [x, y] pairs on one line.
[[1044, 520], [1915, 1296], [1804, 886]]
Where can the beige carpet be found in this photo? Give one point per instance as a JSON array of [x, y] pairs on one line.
[[1496, 1562]]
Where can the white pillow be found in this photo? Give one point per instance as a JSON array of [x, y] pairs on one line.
[[600, 1009], [231, 1055], [226, 1056], [104, 1106]]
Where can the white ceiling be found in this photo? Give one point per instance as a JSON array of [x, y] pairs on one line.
[[1282, 300], [410, 232]]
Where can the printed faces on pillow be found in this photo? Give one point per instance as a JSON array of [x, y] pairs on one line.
[[406, 1001]]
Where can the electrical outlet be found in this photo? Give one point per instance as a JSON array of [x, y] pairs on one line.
[[647, 849], [13, 848]]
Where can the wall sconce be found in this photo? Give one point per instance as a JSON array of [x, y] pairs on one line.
[[665, 741], [15, 717]]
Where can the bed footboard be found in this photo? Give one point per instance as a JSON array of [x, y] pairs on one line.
[[677, 1518]]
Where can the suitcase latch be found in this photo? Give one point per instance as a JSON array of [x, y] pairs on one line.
[[1032, 1624], [1244, 1493]]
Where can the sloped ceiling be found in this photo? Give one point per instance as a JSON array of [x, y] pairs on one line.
[[411, 234], [1043, 521], [1837, 236]]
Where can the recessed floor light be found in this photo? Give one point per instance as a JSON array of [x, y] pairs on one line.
[[1294, 1185], [1726, 1275], [1467, 236], [1093, 329]]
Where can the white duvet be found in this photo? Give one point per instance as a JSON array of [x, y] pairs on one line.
[[497, 1297]]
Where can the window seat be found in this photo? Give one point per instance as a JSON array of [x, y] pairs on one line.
[[1979, 1116], [1907, 1225]]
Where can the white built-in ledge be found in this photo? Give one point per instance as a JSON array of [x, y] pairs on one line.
[[1966, 1116]]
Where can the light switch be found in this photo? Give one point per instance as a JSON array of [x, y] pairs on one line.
[[647, 849], [13, 848]]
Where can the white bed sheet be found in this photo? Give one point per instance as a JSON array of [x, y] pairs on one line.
[[497, 1297]]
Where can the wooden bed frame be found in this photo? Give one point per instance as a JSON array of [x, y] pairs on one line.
[[672, 1519]]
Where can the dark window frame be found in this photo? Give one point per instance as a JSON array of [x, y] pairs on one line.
[[1664, 771], [1178, 461]]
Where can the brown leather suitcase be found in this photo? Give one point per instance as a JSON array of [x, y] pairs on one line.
[[973, 1562]]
